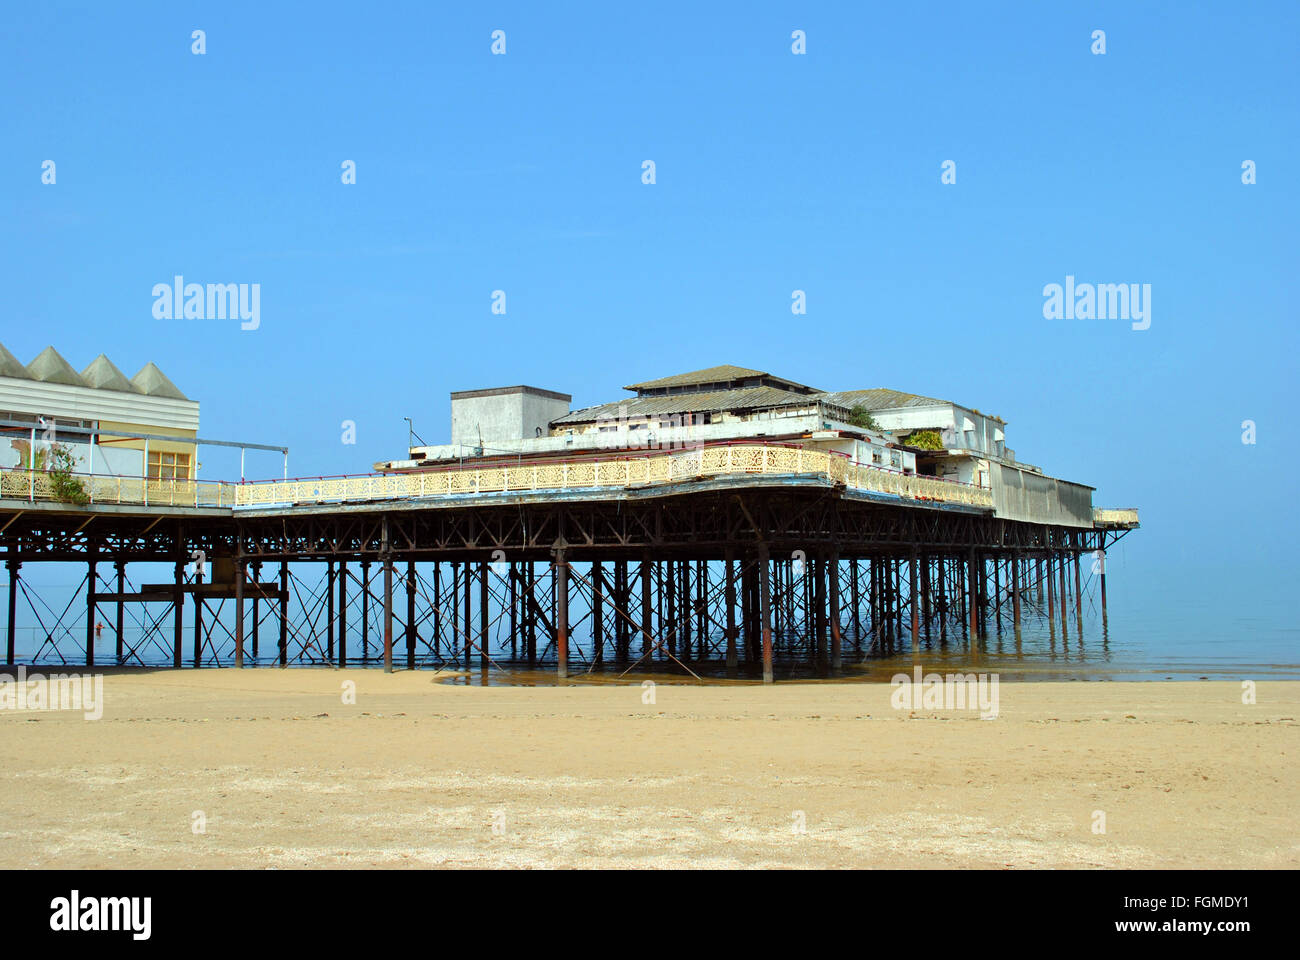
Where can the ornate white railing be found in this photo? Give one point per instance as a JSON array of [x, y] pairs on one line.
[[708, 461]]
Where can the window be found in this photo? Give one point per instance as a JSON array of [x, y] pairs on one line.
[[168, 466]]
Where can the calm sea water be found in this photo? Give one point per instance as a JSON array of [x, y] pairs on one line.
[[1151, 634]]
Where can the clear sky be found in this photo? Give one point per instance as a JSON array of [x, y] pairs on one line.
[[774, 172]]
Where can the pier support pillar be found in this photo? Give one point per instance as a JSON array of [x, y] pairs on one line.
[[818, 560], [484, 615], [927, 609], [119, 623], [365, 610], [730, 601], [1051, 597], [1015, 595], [437, 610], [912, 599], [342, 579], [765, 611], [386, 557], [13, 566], [90, 614], [834, 574], [974, 590], [284, 614], [257, 606], [467, 581], [178, 611], [1065, 633], [329, 612], [997, 592], [198, 615], [410, 614], [239, 612], [597, 613], [1101, 573], [943, 600], [1078, 595], [647, 605], [560, 566]]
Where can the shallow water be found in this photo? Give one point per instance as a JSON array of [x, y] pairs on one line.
[[1149, 635]]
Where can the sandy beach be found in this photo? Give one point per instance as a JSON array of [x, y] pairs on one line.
[[271, 768]]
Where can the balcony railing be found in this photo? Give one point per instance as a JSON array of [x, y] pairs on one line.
[[720, 460]]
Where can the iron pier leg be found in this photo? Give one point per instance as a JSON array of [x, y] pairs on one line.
[[410, 614], [1065, 633], [329, 613], [198, 616], [561, 571], [239, 613], [365, 610], [1102, 576], [120, 621], [647, 571], [1015, 594], [765, 612], [437, 610], [178, 612], [257, 606], [836, 652], [598, 612], [730, 601], [1051, 597], [387, 557], [916, 613], [973, 587], [14, 565], [90, 614], [1078, 595], [342, 578], [468, 579], [484, 615], [284, 614]]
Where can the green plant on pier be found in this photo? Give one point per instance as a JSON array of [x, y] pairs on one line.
[[860, 417], [924, 439]]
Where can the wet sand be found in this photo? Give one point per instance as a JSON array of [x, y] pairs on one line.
[[424, 773]]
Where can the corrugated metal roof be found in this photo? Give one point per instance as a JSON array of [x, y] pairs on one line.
[[707, 375], [752, 398], [880, 398]]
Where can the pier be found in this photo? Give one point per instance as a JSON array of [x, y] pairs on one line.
[[732, 557]]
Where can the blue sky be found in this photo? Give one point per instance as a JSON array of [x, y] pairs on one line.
[[775, 172]]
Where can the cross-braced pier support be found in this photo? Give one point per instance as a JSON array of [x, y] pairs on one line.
[[755, 583]]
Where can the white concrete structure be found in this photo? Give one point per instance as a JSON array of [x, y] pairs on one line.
[[46, 394], [487, 418], [888, 429]]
